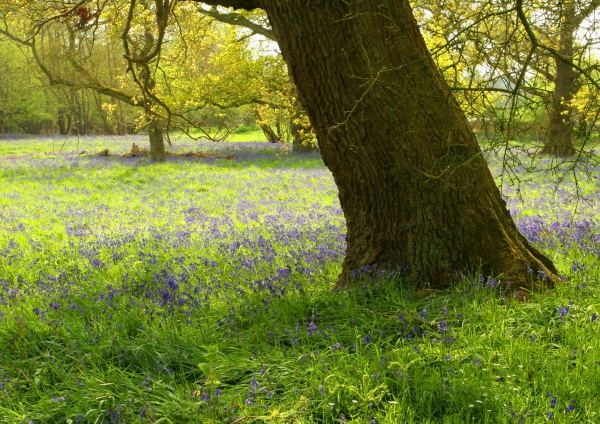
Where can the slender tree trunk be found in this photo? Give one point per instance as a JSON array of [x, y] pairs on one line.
[[156, 134], [108, 129], [266, 128], [413, 184], [560, 142], [61, 120]]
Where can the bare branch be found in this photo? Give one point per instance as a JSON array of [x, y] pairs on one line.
[[236, 4], [239, 20]]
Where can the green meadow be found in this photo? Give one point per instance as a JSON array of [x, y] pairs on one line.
[[200, 291]]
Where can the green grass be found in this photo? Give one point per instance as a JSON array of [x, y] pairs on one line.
[[118, 278]]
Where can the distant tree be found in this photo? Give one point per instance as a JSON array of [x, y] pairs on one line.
[[25, 105], [279, 92], [539, 50], [181, 68]]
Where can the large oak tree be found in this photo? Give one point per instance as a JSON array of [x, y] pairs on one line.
[[413, 184]]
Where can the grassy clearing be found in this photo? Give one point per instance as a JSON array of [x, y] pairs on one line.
[[200, 291]]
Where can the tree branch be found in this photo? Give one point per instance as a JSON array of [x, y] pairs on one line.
[[237, 19], [236, 4], [586, 12], [535, 44]]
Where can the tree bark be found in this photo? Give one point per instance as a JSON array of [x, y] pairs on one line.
[[156, 134], [413, 184], [560, 142]]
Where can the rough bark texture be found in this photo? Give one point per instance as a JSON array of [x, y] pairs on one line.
[[157, 141], [560, 142], [412, 182]]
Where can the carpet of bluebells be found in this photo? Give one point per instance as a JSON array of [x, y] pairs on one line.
[[199, 290]]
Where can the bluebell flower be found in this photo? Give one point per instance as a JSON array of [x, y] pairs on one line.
[[570, 407], [366, 339], [563, 311], [322, 389]]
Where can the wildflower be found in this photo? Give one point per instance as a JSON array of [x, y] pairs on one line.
[[552, 400], [445, 311], [594, 316], [218, 392], [322, 389], [550, 415], [417, 349], [249, 402], [254, 384], [423, 314], [570, 407], [477, 362], [442, 327], [402, 318], [312, 328], [366, 339], [337, 346], [205, 397], [447, 358], [563, 311]]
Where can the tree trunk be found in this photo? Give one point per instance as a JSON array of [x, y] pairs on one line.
[[413, 184], [267, 130], [64, 124], [560, 142], [157, 141], [108, 129]]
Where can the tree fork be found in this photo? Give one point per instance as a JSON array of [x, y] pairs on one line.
[[413, 184]]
